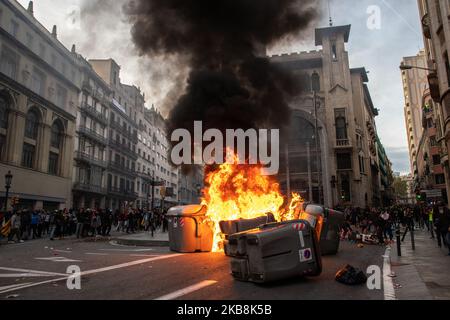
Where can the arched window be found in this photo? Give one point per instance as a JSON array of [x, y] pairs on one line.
[[341, 124], [32, 125], [56, 136], [3, 113], [315, 81]]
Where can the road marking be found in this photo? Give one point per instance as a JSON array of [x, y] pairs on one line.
[[127, 250], [119, 266], [24, 275], [14, 286], [58, 259], [33, 271], [62, 251], [185, 291], [388, 285]]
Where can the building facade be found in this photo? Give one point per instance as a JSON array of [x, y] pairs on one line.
[[436, 36], [342, 164], [122, 142], [39, 98], [415, 83]]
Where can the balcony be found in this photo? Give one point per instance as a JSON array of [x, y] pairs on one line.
[[120, 168], [126, 133], [123, 193], [123, 148], [343, 144], [92, 134], [84, 187], [435, 92], [85, 157], [94, 113], [426, 26], [86, 86]]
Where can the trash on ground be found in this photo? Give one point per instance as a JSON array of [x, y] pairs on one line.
[[350, 275]]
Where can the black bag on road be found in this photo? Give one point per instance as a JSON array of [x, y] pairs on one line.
[[350, 275]]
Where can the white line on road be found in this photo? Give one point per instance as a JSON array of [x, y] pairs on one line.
[[119, 266], [24, 275], [58, 259], [389, 292], [14, 286], [127, 250], [33, 271], [62, 251], [185, 291]]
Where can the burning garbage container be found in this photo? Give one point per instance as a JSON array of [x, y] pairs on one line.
[[235, 226], [189, 229], [327, 223], [275, 251]]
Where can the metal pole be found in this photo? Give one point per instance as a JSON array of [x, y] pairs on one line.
[[153, 190], [399, 248], [6, 198], [288, 174], [308, 156], [411, 229], [319, 169]]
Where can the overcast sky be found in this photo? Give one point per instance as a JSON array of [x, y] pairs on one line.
[[100, 31]]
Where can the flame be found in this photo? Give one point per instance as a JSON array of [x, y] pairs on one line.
[[239, 191]]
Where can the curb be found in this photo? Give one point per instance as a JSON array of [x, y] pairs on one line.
[[388, 284], [141, 243]]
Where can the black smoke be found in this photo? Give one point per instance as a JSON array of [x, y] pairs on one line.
[[231, 83]]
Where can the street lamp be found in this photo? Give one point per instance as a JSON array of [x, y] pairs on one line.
[[8, 180], [404, 67]]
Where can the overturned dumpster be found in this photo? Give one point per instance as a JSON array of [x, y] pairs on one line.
[[327, 224], [275, 251], [189, 229]]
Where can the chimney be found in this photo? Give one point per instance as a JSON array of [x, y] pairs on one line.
[[54, 32], [30, 8], [74, 48]]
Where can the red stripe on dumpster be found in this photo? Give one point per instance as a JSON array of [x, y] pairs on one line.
[[181, 222]]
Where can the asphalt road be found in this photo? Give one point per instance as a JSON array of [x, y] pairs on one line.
[[37, 270]]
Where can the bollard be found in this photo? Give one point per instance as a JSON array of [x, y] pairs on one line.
[[397, 233], [411, 229]]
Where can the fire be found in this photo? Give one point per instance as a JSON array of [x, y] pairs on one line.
[[235, 191]]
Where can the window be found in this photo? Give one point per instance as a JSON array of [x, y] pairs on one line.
[[334, 51], [362, 168], [439, 179], [315, 81], [53, 163], [2, 145], [447, 66], [9, 63], [61, 96], [341, 124], [436, 160], [345, 188], [32, 125], [38, 82], [28, 153], [14, 28], [56, 135], [344, 161], [3, 113]]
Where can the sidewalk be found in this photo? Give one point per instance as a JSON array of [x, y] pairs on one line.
[[424, 274], [160, 239]]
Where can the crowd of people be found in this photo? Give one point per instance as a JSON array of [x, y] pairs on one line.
[[384, 222], [23, 225]]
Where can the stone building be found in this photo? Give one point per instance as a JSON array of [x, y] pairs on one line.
[[415, 82], [122, 154], [89, 171], [436, 36], [39, 98], [341, 167]]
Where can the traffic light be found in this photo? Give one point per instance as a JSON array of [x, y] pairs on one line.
[[421, 196]]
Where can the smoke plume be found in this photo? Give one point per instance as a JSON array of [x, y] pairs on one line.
[[231, 82]]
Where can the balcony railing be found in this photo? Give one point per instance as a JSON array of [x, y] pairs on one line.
[[128, 134], [80, 186], [123, 192], [92, 134], [343, 143], [82, 156], [118, 167], [426, 26], [123, 148], [86, 86], [94, 113]]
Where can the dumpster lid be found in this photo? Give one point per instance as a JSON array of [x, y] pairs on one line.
[[314, 209], [187, 211]]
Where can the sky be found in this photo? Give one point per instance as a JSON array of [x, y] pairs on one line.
[[99, 30]]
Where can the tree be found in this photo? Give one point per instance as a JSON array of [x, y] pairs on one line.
[[400, 188]]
